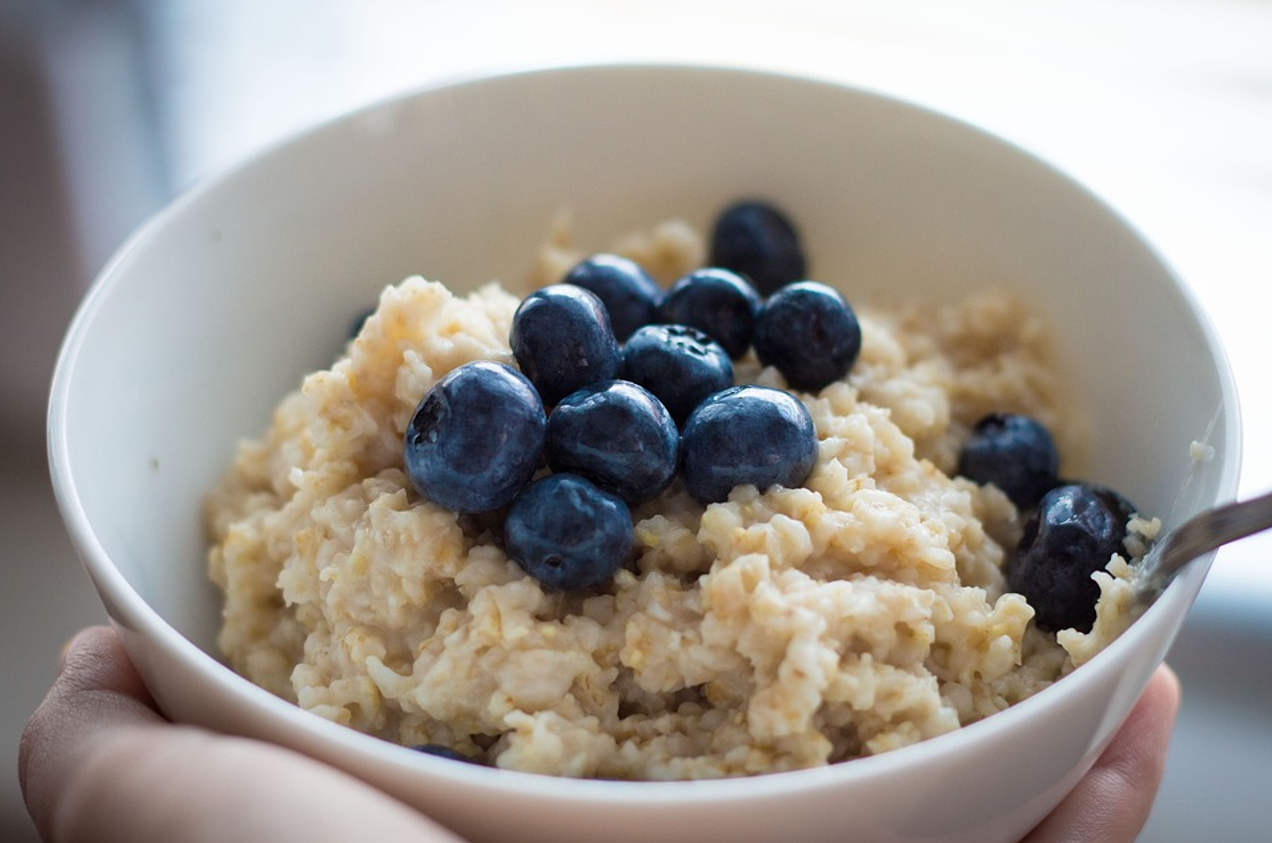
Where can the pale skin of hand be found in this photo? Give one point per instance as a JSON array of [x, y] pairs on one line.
[[99, 764]]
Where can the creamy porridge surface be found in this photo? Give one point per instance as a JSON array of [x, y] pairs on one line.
[[799, 627]]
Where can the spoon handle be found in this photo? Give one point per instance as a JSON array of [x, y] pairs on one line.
[[1199, 535]]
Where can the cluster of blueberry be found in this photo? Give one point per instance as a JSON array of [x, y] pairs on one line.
[[1072, 528], [621, 386]]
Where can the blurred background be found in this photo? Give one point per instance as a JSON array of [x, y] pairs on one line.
[[110, 108]]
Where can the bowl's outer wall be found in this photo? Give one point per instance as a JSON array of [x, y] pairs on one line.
[[217, 308]]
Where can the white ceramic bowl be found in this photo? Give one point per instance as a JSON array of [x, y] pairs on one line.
[[215, 309]]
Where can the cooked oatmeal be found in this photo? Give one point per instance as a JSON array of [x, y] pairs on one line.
[[859, 613]]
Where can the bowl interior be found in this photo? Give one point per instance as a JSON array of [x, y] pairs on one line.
[[218, 306]]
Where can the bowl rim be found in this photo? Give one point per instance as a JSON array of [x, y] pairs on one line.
[[130, 612]]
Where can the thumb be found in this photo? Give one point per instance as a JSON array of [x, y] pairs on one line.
[[98, 764], [96, 674]]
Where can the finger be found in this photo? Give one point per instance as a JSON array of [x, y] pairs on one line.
[[95, 675], [98, 764], [1112, 802]]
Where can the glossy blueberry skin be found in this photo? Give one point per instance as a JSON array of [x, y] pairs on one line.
[[1014, 452], [758, 240], [1117, 503], [443, 751], [630, 295], [678, 364], [562, 340], [476, 438], [617, 435], [718, 302], [809, 333], [567, 533], [746, 434], [1072, 534]]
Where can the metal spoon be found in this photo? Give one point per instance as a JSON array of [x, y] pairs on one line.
[[1197, 536]]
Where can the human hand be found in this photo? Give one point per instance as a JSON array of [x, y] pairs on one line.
[[99, 764], [1112, 801]]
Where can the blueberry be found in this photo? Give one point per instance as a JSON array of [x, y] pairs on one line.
[[718, 302], [1117, 503], [747, 434], [629, 294], [677, 363], [1014, 452], [443, 751], [476, 438], [759, 241], [568, 534], [809, 333], [1073, 533], [618, 435], [562, 339]]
